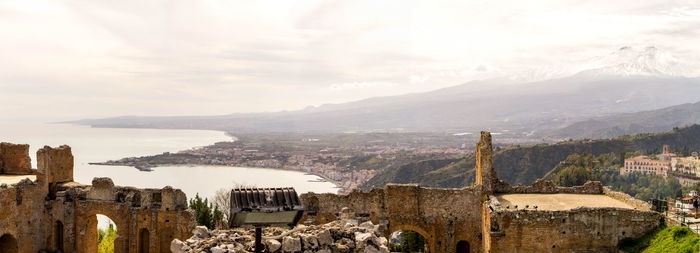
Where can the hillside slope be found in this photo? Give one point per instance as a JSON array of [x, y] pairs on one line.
[[659, 120], [525, 164]]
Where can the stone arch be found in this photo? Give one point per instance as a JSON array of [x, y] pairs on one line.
[[429, 239], [463, 247], [90, 238], [8, 244], [144, 240], [58, 234]]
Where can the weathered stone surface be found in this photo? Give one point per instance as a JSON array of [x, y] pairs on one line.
[[217, 250], [273, 245], [310, 241], [201, 232], [291, 244], [176, 246], [56, 163], [325, 238], [14, 159]]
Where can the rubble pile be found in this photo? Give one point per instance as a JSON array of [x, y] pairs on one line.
[[337, 236]]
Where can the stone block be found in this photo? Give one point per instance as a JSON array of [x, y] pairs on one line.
[[56, 163]]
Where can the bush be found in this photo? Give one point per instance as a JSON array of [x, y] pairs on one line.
[[668, 239], [206, 214], [105, 239], [408, 241]]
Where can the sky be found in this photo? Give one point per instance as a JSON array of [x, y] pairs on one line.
[[65, 60]]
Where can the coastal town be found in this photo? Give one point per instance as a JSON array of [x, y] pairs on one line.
[[347, 165]]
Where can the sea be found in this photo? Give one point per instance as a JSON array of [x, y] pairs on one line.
[[101, 144]]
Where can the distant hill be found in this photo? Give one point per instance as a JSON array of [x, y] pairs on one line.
[[525, 164], [625, 81], [524, 109], [659, 120]]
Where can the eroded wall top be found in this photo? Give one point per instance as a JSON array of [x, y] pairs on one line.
[[14, 159]]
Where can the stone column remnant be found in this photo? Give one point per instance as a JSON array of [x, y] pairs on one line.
[[56, 163], [485, 175]]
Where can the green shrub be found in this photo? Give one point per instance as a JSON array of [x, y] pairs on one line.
[[668, 239], [206, 214], [105, 239]]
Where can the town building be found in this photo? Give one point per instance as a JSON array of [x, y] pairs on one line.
[[647, 165]]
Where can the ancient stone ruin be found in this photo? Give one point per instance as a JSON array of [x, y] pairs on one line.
[[492, 216], [51, 212]]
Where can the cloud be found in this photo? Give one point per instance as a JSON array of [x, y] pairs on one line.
[[222, 56], [359, 85]]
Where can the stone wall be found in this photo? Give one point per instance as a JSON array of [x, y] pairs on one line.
[[22, 215], [447, 216], [575, 230], [545, 186], [14, 159], [627, 199], [53, 213], [442, 216], [162, 213]]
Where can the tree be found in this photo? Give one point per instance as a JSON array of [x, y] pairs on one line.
[[206, 214], [222, 201], [408, 241], [105, 239]]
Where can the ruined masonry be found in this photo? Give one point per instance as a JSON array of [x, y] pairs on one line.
[[492, 216], [50, 212]]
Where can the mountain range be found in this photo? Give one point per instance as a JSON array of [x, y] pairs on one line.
[[580, 105]]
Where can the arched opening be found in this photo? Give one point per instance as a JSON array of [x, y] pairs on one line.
[[144, 237], [106, 234], [8, 244], [58, 236], [462, 247], [407, 241]]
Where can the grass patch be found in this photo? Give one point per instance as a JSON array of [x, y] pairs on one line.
[[665, 239]]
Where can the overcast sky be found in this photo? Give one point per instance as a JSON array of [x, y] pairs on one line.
[[62, 60]]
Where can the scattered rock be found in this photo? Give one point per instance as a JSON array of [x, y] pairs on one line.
[[290, 244], [217, 250], [325, 238], [201, 232], [337, 236], [177, 246], [273, 245]]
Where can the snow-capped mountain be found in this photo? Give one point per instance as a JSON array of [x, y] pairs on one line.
[[628, 61], [624, 62]]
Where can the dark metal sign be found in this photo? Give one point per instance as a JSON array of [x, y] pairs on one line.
[[264, 207]]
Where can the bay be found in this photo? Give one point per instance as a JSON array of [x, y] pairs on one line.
[[100, 144]]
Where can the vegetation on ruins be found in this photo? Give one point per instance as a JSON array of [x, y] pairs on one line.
[[408, 241], [206, 214], [105, 239], [664, 239]]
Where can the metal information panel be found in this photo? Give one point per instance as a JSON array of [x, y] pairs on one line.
[[264, 207]]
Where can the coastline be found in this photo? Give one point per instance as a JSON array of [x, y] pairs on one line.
[[337, 184]]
